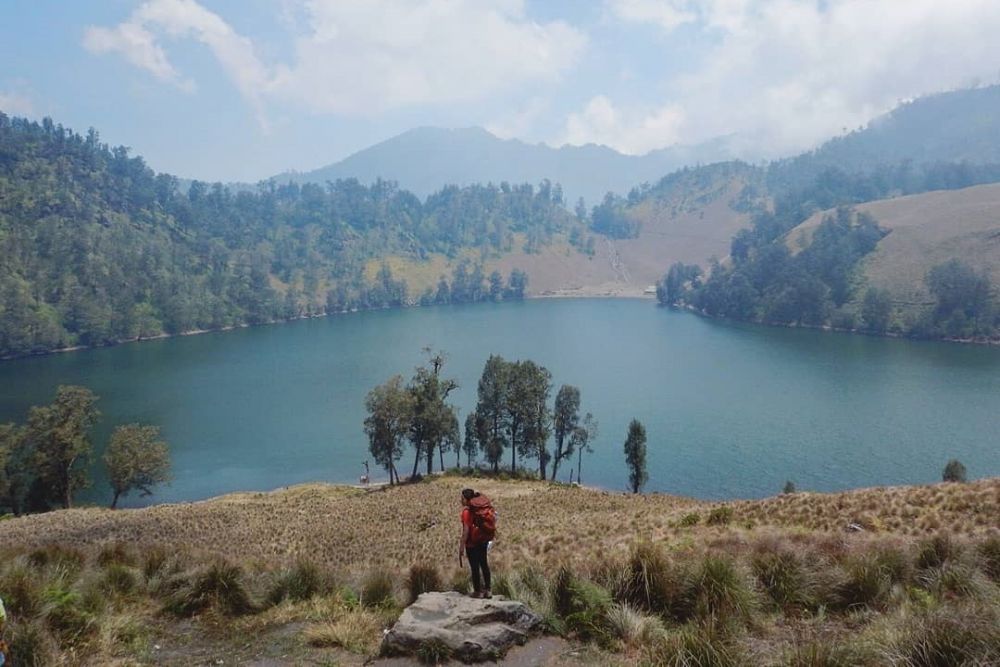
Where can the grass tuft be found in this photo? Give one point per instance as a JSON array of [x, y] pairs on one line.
[[220, 585], [378, 590], [299, 583], [422, 578]]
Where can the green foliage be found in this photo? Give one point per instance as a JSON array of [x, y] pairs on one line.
[[136, 460], [690, 519], [298, 583], [963, 305], [59, 435], [785, 578], [378, 590], [422, 578], [220, 585], [954, 471], [119, 580], [789, 488], [720, 516], [98, 248], [719, 593], [937, 551], [635, 455], [433, 652], [31, 645]]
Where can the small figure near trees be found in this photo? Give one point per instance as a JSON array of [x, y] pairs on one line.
[[635, 455], [137, 460], [954, 471]]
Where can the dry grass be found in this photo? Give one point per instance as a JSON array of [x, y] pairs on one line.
[[339, 527]]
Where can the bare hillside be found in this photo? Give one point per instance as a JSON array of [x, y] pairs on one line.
[[925, 230]]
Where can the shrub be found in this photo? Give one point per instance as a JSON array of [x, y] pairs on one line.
[[824, 653], [936, 551], [377, 590], [219, 585], [719, 592], [117, 554], [784, 578], [119, 580], [65, 615], [357, 631], [789, 487], [690, 519], [651, 581], [421, 579], [693, 647], [22, 590], [989, 557], [949, 637], [301, 582], [433, 652], [56, 555], [954, 471], [31, 645], [868, 580], [720, 516], [582, 605]]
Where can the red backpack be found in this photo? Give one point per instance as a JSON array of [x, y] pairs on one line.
[[484, 517]]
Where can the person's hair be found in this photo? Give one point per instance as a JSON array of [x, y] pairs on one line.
[[469, 494]]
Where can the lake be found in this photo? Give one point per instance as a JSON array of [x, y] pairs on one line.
[[731, 411]]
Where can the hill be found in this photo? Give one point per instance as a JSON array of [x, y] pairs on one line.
[[924, 231], [301, 567], [424, 159]]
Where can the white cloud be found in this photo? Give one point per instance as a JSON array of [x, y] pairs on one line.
[[16, 104], [358, 56], [668, 14], [786, 74]]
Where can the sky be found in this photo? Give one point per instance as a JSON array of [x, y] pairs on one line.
[[239, 90]]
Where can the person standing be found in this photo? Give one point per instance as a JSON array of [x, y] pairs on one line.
[[478, 529]]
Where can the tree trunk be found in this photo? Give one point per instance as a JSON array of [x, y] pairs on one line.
[[555, 459], [430, 457], [416, 461], [579, 463], [114, 501]]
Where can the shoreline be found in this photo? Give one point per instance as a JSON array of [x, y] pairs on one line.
[[581, 293]]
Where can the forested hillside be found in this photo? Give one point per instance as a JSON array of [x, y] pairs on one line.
[[97, 248]]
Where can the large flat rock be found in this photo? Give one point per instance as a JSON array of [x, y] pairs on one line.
[[472, 630]]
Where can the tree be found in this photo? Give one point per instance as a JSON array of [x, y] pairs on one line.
[[635, 455], [136, 460], [525, 412], [876, 310], [432, 420], [580, 441], [496, 286], [15, 475], [789, 487], [59, 436], [517, 283], [390, 411], [954, 471], [470, 445], [565, 420], [491, 408]]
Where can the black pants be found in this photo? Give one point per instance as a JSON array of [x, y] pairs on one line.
[[478, 563]]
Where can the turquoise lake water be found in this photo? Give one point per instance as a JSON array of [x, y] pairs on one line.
[[730, 410]]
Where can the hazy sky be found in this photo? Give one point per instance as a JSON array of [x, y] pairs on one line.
[[243, 89]]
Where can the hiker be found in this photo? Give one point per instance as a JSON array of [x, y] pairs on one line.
[[4, 651], [479, 525]]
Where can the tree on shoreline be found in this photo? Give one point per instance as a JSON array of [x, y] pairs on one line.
[[60, 437], [565, 420], [635, 455], [136, 460]]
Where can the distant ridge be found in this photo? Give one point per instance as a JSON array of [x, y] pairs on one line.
[[425, 159]]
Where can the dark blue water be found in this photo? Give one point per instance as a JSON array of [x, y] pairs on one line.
[[730, 410]]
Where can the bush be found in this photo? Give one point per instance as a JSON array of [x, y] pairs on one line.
[[937, 551], [377, 590], [582, 605], [421, 579], [119, 580], [301, 582], [65, 614], [867, 582], [650, 581], [720, 516], [220, 585], [989, 557], [22, 590], [691, 519], [31, 645], [433, 652], [785, 579], [789, 487], [949, 637], [693, 647], [954, 471], [719, 592], [55, 555], [117, 554]]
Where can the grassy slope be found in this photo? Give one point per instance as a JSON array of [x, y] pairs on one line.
[[925, 230], [353, 529], [689, 227], [114, 608]]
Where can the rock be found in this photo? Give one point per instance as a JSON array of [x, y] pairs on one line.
[[473, 630]]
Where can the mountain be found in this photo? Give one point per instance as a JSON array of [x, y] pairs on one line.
[[424, 159], [955, 126]]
